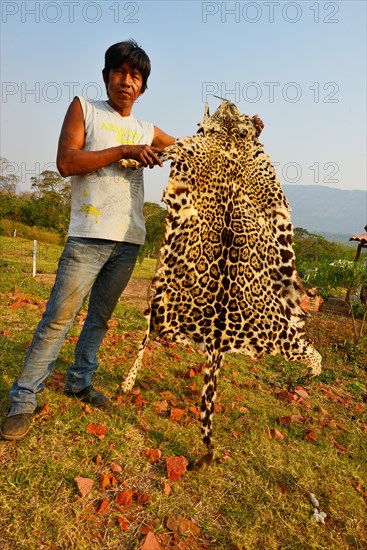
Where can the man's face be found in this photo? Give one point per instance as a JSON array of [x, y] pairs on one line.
[[124, 87]]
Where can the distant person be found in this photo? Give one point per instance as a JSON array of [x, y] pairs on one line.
[[105, 233]]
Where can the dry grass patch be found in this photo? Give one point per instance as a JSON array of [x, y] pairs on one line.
[[257, 494]]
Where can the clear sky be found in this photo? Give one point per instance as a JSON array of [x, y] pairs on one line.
[[300, 65]]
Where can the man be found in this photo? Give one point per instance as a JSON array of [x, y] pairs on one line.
[[105, 233]]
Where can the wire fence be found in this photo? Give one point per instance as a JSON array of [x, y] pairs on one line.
[[29, 256]]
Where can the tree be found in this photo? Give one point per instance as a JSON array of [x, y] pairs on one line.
[[48, 205], [51, 194], [51, 186], [154, 216], [8, 181]]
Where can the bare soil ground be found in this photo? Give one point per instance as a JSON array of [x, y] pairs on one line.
[[136, 294]]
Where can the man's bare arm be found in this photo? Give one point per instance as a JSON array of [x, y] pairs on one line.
[[72, 160], [161, 139], [258, 123]]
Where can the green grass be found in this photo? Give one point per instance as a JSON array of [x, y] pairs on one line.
[[18, 253], [255, 495], [145, 269]]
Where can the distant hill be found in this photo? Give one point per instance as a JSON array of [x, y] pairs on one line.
[[327, 210], [337, 237]]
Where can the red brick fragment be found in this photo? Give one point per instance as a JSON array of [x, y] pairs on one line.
[[84, 484], [151, 543], [122, 523], [124, 498], [310, 436], [153, 454], [176, 414], [176, 467], [102, 508]]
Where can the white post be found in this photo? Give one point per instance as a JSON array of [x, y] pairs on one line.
[[34, 258]]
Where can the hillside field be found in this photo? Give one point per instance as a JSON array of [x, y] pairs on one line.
[[90, 479]]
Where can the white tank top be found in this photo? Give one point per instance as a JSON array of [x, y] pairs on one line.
[[108, 203]]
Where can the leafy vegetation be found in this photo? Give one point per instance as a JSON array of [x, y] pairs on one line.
[[47, 205], [44, 211], [350, 278], [154, 216], [312, 250]]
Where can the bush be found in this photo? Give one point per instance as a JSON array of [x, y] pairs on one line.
[[349, 276], [7, 228]]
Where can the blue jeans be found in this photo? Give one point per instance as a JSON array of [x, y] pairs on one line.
[[96, 266]]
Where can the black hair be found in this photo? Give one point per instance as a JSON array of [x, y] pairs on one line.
[[127, 52]]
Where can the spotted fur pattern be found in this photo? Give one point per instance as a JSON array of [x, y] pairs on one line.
[[226, 278]]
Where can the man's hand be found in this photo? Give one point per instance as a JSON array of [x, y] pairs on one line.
[[145, 155], [258, 123]]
